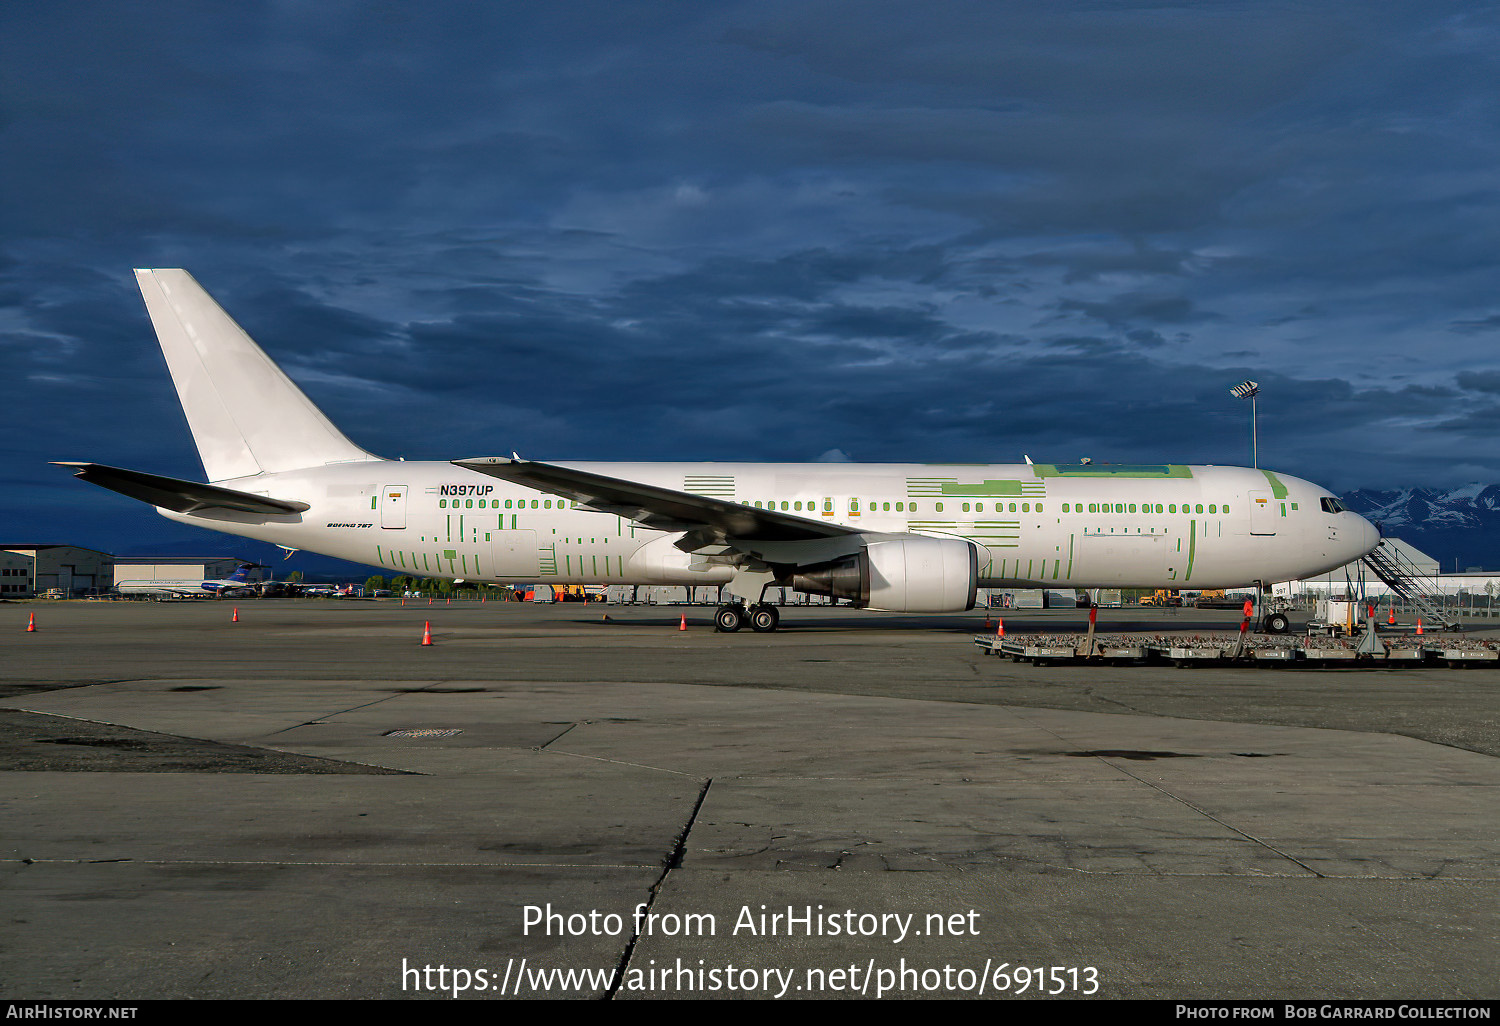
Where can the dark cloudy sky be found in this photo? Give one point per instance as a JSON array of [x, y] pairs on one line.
[[904, 231]]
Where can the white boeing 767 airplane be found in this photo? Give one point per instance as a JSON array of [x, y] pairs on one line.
[[915, 537]]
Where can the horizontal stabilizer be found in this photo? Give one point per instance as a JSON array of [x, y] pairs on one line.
[[179, 496]]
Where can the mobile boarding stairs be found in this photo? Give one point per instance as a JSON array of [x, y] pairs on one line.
[[1407, 581]]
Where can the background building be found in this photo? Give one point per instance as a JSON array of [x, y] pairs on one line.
[[71, 569], [15, 575]]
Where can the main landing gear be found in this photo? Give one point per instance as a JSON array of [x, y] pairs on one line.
[[760, 617]]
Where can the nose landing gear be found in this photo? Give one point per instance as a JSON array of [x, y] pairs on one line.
[[1277, 623], [1274, 619]]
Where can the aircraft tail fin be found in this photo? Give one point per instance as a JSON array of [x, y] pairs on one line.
[[246, 415], [242, 572]]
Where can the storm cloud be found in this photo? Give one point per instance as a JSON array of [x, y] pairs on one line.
[[892, 231]]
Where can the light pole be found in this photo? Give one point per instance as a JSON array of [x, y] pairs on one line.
[[1249, 390]]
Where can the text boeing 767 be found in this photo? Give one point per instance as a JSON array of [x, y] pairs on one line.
[[915, 537]]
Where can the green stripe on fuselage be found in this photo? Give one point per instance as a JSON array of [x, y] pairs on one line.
[[1157, 470], [983, 488], [1277, 488]]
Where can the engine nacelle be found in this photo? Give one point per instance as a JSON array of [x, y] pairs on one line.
[[914, 574]]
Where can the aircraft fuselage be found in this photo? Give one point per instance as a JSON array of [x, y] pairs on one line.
[[1083, 526]]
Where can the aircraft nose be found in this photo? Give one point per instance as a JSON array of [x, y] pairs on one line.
[[1365, 537]]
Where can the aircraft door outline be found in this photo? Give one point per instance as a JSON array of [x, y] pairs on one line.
[[393, 507], [1262, 514]]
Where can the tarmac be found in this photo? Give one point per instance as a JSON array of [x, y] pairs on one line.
[[196, 808]]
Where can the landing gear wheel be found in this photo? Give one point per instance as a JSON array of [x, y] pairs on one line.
[[1277, 623], [763, 619], [728, 619]]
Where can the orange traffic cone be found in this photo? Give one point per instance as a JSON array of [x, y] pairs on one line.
[[682, 624], [403, 603], [426, 632], [1392, 618], [987, 624], [1419, 625], [999, 627], [450, 602], [31, 624], [236, 617]]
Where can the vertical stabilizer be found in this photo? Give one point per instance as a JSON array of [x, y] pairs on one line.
[[245, 414]]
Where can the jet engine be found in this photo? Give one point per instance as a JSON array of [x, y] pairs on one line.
[[912, 574]]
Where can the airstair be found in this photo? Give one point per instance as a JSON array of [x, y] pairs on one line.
[[1416, 589]]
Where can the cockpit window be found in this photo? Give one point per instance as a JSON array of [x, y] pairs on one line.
[[1332, 505]]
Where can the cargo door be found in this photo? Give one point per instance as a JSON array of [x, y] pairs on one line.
[[514, 555], [393, 506], [1263, 513]]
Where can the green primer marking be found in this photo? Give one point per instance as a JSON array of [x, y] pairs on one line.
[[1277, 488], [1162, 470], [1056, 565], [983, 488], [1192, 548], [1070, 557]]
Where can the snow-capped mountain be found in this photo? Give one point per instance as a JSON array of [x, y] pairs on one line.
[[1459, 525]]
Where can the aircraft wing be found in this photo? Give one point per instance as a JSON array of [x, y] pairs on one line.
[[664, 509], [179, 496]]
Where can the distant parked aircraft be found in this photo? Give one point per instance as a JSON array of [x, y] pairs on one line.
[[236, 583]]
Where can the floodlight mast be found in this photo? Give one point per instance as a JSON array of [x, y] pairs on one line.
[[1249, 390]]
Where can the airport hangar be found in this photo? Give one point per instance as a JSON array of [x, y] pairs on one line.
[[31, 569], [27, 570]]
